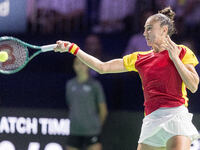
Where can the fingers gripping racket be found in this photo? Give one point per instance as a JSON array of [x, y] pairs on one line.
[[18, 53]]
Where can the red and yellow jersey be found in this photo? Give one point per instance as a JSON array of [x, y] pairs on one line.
[[162, 84]]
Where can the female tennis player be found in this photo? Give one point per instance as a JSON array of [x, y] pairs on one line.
[[166, 71]]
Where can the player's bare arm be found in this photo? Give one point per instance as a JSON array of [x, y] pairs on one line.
[[186, 71], [112, 66]]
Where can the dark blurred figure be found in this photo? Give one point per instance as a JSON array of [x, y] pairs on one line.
[[92, 13], [94, 47], [190, 43], [87, 109], [137, 41], [52, 16], [112, 15], [41, 17], [187, 15], [69, 15]]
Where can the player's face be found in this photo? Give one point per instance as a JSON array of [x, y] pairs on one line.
[[79, 67], [153, 32]]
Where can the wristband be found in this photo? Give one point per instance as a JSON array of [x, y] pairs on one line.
[[73, 49]]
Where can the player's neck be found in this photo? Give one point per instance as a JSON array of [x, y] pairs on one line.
[[157, 48]]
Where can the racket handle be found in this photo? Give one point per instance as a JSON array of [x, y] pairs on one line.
[[47, 48]]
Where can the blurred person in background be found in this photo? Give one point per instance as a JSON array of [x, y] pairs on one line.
[[166, 71], [112, 14], [94, 47], [187, 15], [49, 16], [40, 15], [137, 41], [69, 14], [92, 13], [87, 109], [31, 13]]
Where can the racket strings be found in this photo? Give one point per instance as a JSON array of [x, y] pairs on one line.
[[17, 55]]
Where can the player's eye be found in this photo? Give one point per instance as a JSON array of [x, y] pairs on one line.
[[149, 28]]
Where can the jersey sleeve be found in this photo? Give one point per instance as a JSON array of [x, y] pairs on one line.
[[129, 61], [189, 57]]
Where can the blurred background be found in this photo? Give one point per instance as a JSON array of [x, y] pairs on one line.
[[106, 29]]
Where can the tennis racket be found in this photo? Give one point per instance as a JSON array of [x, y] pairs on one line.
[[18, 53]]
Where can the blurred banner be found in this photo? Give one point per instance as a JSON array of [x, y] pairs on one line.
[[46, 129], [28, 129], [12, 16]]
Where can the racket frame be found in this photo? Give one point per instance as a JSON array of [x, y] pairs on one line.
[[40, 49]]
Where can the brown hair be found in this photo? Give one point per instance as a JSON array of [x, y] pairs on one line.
[[168, 12], [166, 17]]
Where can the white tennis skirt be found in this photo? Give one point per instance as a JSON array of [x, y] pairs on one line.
[[175, 120]]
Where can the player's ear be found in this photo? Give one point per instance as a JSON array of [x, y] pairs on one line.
[[164, 31]]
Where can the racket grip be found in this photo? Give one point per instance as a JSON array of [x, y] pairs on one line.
[[47, 48]]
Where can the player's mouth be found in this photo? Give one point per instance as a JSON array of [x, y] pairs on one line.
[[147, 38]]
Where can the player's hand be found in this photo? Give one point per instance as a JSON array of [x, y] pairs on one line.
[[62, 46], [172, 48], [65, 46]]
